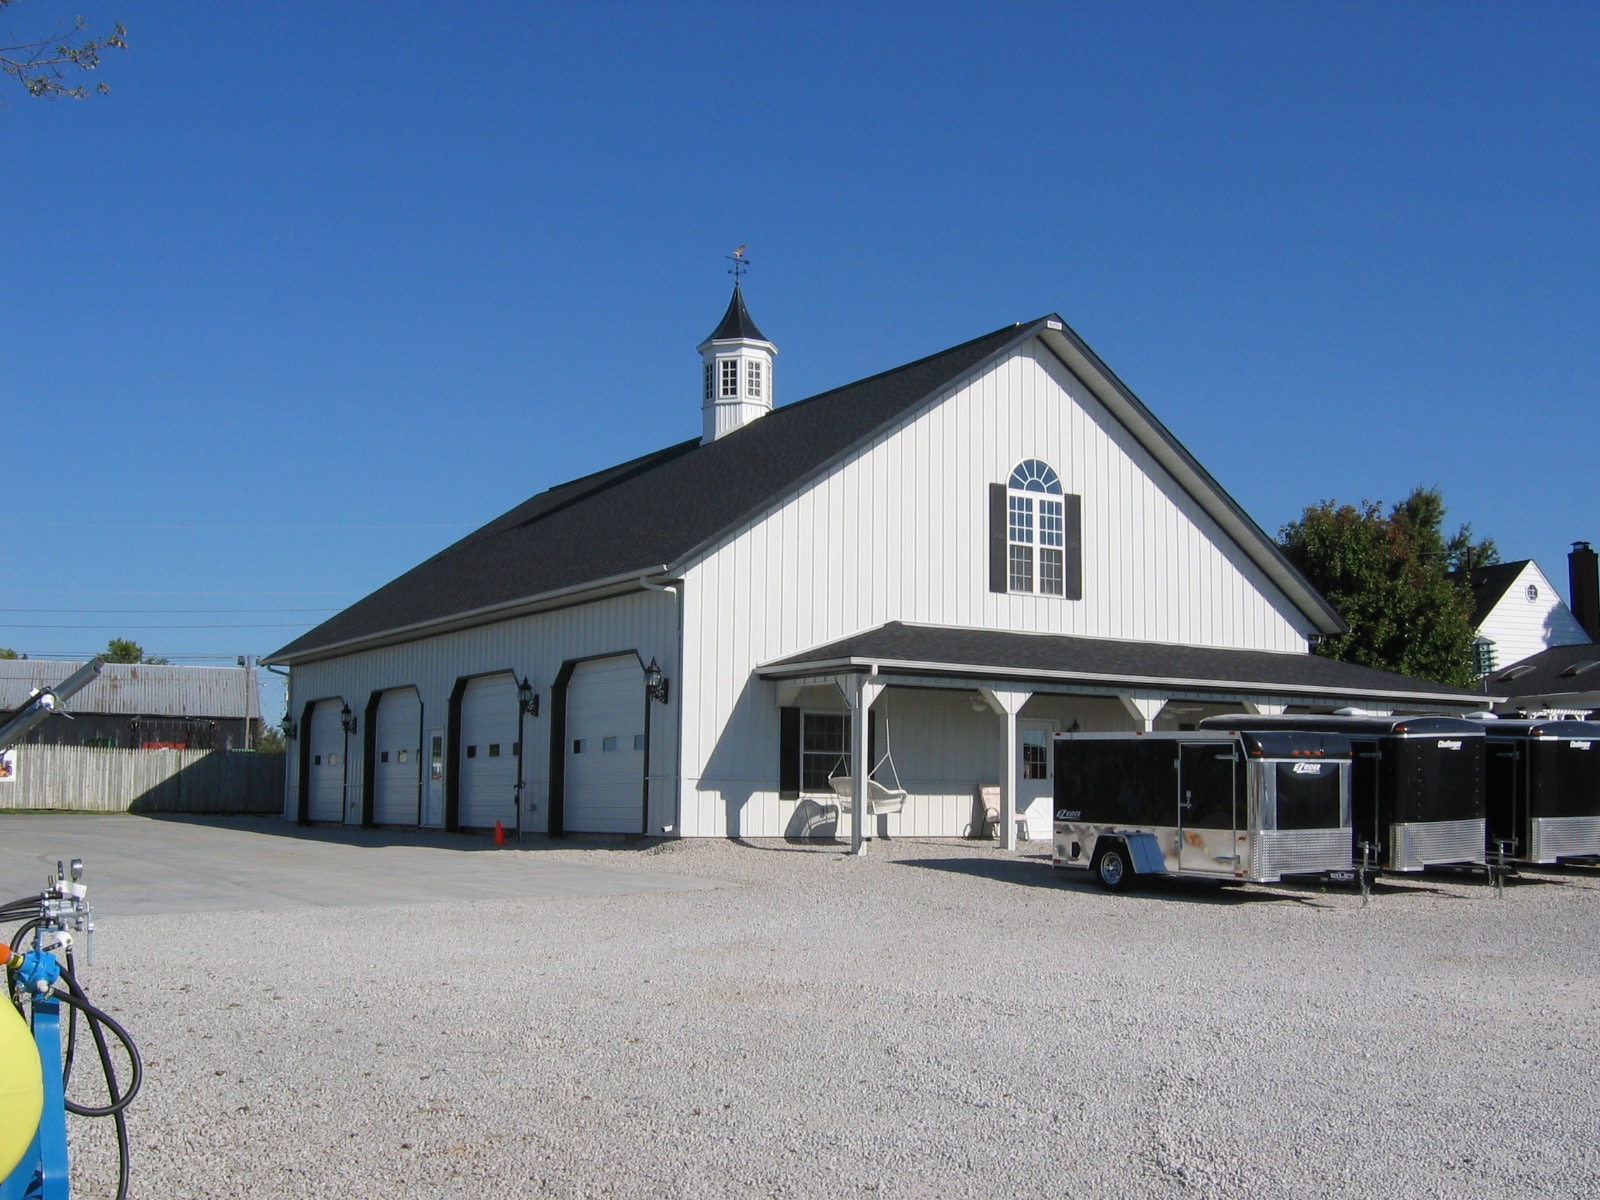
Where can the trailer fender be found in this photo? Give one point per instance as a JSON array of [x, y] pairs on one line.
[[1146, 854]]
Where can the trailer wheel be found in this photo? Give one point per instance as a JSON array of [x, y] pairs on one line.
[[1112, 867]]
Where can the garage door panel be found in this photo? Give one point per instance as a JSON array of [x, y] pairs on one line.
[[396, 765], [326, 746], [605, 751], [488, 752]]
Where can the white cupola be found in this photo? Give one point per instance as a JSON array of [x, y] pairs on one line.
[[737, 373]]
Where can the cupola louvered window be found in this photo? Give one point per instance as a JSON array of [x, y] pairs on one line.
[[730, 378]]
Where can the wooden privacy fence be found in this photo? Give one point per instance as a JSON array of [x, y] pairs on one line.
[[89, 779]]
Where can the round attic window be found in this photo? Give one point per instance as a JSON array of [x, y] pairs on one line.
[[1533, 591]]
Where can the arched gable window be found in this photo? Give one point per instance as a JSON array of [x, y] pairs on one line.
[[1035, 534]]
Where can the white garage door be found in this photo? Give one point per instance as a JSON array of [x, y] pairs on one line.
[[397, 758], [604, 789], [325, 744], [488, 752]]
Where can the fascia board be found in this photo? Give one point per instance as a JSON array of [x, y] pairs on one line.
[[977, 671], [703, 549], [1155, 437], [601, 589]]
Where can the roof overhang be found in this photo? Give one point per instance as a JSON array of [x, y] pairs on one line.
[[645, 579], [948, 674], [1155, 437]]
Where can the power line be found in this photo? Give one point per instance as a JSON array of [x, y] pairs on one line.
[[142, 525], [116, 592], [125, 626], [162, 612]]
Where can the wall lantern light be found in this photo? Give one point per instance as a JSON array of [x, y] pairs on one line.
[[290, 729], [527, 698], [655, 683], [347, 719]]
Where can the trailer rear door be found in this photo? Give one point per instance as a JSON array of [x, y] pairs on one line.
[[1207, 788]]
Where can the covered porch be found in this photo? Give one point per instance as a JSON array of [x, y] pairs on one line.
[[952, 720]]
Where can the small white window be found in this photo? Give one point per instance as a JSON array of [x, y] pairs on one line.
[[403, 756], [384, 756], [752, 379], [1035, 754], [333, 760], [638, 741], [608, 744], [730, 377], [494, 749], [577, 745]]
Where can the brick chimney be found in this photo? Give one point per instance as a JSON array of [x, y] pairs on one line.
[[1583, 573]]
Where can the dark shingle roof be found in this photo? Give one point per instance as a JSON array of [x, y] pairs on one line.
[[648, 512], [736, 322], [1560, 670], [1106, 661], [1488, 584]]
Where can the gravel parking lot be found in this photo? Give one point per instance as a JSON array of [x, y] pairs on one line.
[[936, 1020]]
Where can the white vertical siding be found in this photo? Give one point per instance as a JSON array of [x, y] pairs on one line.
[[1520, 627], [535, 646], [900, 533]]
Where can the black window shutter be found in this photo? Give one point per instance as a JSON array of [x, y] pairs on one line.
[[1073, 573], [788, 753], [997, 538]]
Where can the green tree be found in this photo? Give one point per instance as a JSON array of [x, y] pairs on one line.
[[123, 650], [8, 652], [44, 65], [270, 741], [1389, 578]]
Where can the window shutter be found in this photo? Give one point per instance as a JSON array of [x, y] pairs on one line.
[[1072, 573], [997, 537], [788, 754]]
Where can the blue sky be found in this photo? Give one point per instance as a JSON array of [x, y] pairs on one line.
[[320, 287]]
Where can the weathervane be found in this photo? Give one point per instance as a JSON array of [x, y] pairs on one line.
[[741, 264]]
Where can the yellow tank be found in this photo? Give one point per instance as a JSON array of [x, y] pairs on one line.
[[21, 1087]]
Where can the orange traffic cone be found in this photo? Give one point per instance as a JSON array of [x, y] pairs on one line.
[[499, 834]]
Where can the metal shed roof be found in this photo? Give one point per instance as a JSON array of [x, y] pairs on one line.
[[138, 689]]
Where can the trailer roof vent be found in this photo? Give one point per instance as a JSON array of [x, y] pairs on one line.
[[1578, 668], [1515, 672]]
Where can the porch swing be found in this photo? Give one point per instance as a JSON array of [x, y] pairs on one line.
[[881, 798]]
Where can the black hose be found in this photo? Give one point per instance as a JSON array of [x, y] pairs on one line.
[[96, 1018]]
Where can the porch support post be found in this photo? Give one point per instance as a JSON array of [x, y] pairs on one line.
[[1143, 707], [860, 691], [1008, 703]]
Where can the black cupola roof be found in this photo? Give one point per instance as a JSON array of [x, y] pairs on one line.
[[736, 322]]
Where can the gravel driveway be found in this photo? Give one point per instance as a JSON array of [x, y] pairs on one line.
[[934, 1020]]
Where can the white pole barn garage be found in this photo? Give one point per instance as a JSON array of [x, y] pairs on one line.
[[901, 586]]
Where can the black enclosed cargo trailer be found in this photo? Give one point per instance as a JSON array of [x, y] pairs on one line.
[[1543, 788], [1242, 805], [1416, 783]]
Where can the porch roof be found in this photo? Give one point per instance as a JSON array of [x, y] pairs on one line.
[[988, 656]]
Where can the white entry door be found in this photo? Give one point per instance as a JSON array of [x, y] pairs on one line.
[[604, 789], [433, 781], [489, 748], [396, 758], [1036, 778], [325, 743]]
